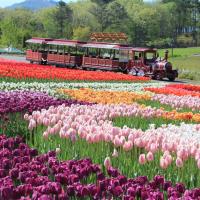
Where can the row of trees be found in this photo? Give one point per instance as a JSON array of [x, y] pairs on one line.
[[163, 23]]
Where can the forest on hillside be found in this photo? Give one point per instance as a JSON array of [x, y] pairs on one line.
[[164, 23]]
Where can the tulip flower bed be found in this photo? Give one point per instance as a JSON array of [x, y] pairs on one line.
[[178, 102], [14, 104], [18, 101], [189, 87], [173, 90], [104, 97], [168, 148], [26, 71], [51, 87], [24, 174], [146, 129]]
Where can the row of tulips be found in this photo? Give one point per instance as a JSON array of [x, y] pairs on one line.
[[173, 91], [26, 101], [93, 124], [120, 97], [178, 102], [26, 71], [189, 87], [104, 97], [25, 175], [51, 87]]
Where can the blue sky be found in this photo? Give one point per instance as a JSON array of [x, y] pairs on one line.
[[4, 3]]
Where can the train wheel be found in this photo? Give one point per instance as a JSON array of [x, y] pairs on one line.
[[157, 76], [171, 78]]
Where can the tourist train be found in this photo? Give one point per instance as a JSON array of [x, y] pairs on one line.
[[100, 56]]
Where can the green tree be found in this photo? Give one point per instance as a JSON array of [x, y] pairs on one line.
[[117, 17], [63, 20], [16, 27], [81, 33]]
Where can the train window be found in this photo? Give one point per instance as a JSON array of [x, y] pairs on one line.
[[80, 50], [42, 47], [53, 48], [150, 55], [124, 55], [117, 55], [105, 53], [138, 55], [92, 52], [60, 49]]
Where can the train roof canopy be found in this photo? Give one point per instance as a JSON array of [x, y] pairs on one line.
[[104, 45], [72, 43], [141, 49], [38, 40]]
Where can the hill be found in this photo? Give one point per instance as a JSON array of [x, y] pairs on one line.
[[34, 4]]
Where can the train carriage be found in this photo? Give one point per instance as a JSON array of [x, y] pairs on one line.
[[55, 52], [105, 56]]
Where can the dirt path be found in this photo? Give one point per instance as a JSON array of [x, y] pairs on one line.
[[14, 57]]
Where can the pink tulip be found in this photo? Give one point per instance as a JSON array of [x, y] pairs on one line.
[[179, 162], [198, 164], [32, 124], [107, 162], [115, 153], [45, 135], [169, 159], [193, 150], [150, 156], [117, 141], [128, 146], [131, 137], [89, 138], [142, 159], [163, 163]]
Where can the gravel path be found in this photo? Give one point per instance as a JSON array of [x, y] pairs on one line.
[[20, 58]]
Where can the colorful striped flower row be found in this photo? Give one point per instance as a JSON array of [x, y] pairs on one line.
[[26, 101], [108, 97], [104, 97], [173, 91], [25, 175], [92, 123], [27, 71], [178, 102], [50, 87], [189, 87]]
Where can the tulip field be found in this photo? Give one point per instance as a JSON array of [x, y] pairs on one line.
[[73, 134]]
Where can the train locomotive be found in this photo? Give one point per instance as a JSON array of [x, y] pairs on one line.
[[100, 56]]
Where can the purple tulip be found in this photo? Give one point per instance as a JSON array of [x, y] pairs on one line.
[[113, 172], [6, 192], [100, 176], [180, 187], [14, 173], [18, 101], [131, 192], [26, 175], [128, 197], [159, 180], [117, 191]]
